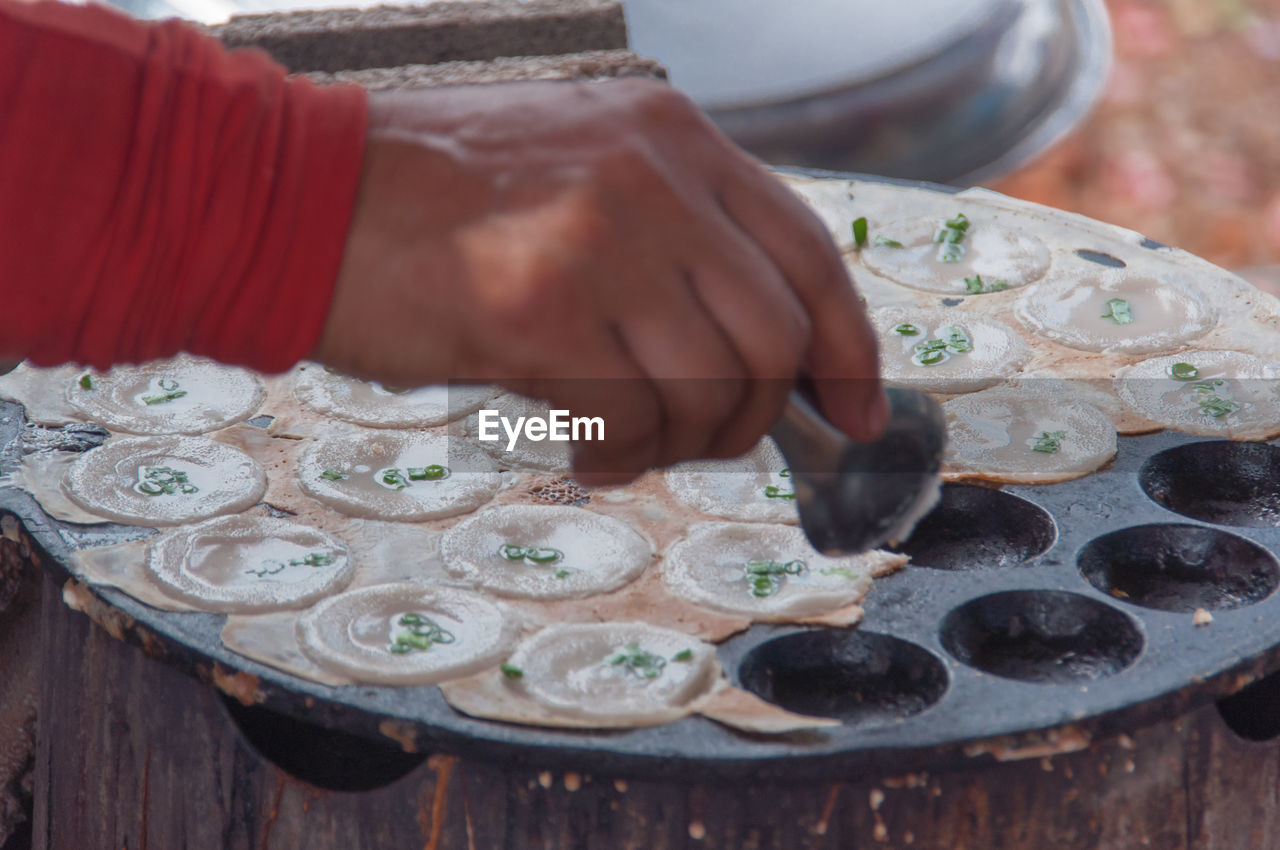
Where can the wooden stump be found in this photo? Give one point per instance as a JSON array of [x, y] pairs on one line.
[[133, 754]]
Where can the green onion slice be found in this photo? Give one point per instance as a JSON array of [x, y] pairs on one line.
[[1048, 442], [86, 381], [333, 475], [886, 242], [637, 662], [906, 329], [511, 671], [1184, 372], [683, 656], [1118, 311], [860, 231], [430, 472]]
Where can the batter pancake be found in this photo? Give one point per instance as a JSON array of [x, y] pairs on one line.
[[946, 351], [755, 487], [1212, 393], [406, 634], [544, 552], [947, 256], [397, 475], [1117, 312], [1013, 435], [161, 481], [242, 564], [767, 572], [629, 673], [377, 406]]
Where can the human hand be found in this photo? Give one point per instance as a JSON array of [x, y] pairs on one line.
[[603, 247]]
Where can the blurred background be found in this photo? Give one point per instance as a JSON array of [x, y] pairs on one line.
[[1184, 144]]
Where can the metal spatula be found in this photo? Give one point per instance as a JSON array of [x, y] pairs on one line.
[[854, 497]]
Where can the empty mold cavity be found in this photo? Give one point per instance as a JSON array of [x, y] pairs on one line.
[[1043, 636], [854, 676], [1179, 567], [1222, 481], [1100, 258], [1254, 713], [976, 527]]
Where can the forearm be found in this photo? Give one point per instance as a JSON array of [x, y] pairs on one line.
[[161, 194]]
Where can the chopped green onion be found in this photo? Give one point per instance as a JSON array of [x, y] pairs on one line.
[[333, 475], [1184, 372], [420, 633], [975, 285], [430, 472], [773, 491], [534, 555], [163, 480], [392, 478], [684, 655], [511, 671], [860, 231], [637, 662], [930, 356], [843, 572], [1048, 442], [1217, 407], [950, 252], [563, 573], [266, 569], [886, 242], [960, 223], [1118, 311], [765, 577], [956, 339], [161, 398], [315, 559], [86, 381], [906, 329], [951, 235]]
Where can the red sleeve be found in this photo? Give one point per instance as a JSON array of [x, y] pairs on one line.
[[161, 194]]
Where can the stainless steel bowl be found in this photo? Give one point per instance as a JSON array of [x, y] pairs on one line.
[[989, 85]]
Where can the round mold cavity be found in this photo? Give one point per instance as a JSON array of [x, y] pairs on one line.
[[1101, 258], [1042, 636], [856, 676], [1224, 482], [974, 527], [1179, 567]]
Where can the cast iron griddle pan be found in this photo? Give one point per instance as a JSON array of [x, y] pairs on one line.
[[1030, 619]]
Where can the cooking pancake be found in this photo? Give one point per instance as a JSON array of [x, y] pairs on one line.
[[544, 552], [1211, 393], [1118, 312], [161, 481], [755, 487], [406, 634], [767, 572], [946, 351], [376, 405], [186, 395], [1018, 436], [397, 475], [239, 564], [928, 254]]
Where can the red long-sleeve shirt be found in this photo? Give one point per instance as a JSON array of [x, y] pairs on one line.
[[161, 194]]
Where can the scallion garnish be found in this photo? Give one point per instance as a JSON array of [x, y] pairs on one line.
[[906, 329], [956, 338], [637, 662], [1210, 403], [86, 381], [333, 475], [860, 231], [843, 572], [1183, 372], [773, 491], [511, 671], [765, 577], [683, 656], [392, 478], [430, 472], [268, 568], [1048, 442], [886, 242], [537, 556], [420, 634], [975, 285], [951, 234], [315, 559], [163, 481], [1118, 311]]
